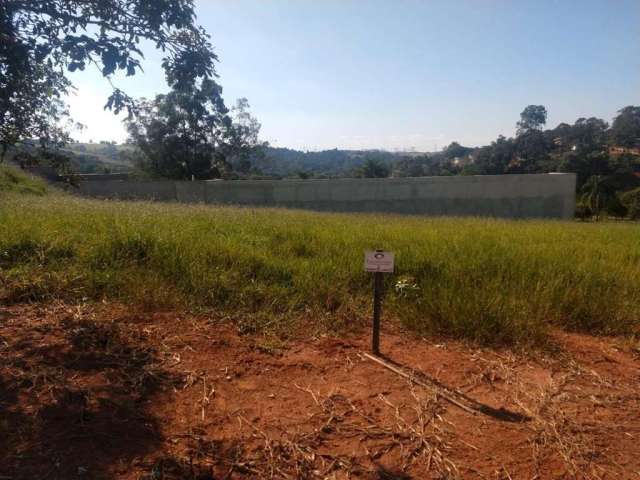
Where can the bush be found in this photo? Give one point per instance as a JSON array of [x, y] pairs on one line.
[[631, 201], [615, 208], [583, 211]]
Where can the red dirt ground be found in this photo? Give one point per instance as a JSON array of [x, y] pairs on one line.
[[100, 392]]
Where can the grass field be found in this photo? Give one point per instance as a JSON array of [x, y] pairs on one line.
[[491, 281]]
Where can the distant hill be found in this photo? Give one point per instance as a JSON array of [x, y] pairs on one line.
[[280, 162], [100, 157], [287, 162]]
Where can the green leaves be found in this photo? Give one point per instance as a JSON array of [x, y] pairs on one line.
[[48, 36], [190, 133], [119, 101], [625, 131], [533, 117]]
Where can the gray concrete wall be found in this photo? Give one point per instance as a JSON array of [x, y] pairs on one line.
[[510, 196]]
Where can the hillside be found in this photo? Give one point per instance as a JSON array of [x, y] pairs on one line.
[[329, 163], [279, 162], [99, 157], [13, 180]]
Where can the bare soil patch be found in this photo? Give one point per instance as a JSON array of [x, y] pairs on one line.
[[103, 392]]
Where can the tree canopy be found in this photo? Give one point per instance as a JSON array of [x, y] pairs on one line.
[[190, 134], [373, 168], [42, 40], [534, 117], [625, 130]]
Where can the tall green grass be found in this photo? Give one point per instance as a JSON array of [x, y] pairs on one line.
[[492, 281], [15, 180]]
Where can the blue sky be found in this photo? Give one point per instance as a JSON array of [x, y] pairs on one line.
[[402, 74]]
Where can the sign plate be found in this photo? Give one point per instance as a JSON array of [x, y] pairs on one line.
[[378, 261]]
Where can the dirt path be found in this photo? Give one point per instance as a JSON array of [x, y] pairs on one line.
[[102, 393]]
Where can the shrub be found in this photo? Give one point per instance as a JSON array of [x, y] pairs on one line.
[[583, 211], [631, 200]]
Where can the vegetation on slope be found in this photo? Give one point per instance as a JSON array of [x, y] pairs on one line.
[[14, 180], [493, 281]]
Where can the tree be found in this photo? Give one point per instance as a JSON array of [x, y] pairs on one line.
[[531, 153], [495, 159], [412, 166], [30, 95], [455, 150], [42, 40], [189, 133], [584, 136], [625, 130], [243, 145], [534, 117], [585, 165], [373, 168], [631, 201], [589, 135], [598, 194]]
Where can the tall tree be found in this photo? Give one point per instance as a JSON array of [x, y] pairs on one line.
[[625, 130], [534, 117], [189, 133], [40, 41], [243, 145], [597, 193]]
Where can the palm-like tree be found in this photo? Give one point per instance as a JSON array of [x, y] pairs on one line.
[[597, 193]]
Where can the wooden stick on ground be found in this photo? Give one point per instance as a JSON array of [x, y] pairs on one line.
[[417, 381]]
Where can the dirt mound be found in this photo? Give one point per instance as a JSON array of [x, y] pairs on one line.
[[101, 392]]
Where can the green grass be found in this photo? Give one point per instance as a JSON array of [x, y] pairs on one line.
[[491, 281], [14, 180]]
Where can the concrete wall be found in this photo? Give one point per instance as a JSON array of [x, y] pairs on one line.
[[100, 177], [511, 196]]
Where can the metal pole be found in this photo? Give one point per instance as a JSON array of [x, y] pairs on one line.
[[377, 306]]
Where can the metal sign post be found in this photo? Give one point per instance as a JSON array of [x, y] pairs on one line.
[[377, 306], [379, 262]]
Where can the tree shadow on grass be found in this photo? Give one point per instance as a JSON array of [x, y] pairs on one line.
[[74, 399]]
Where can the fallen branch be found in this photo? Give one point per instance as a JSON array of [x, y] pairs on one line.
[[417, 381]]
